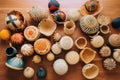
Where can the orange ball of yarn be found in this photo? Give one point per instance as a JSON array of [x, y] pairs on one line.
[[5, 34]]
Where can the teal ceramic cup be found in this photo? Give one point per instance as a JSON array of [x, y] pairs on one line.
[[11, 51]]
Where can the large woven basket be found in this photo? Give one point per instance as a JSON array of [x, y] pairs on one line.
[[89, 24]]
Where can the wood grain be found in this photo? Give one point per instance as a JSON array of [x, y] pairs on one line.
[[111, 9]]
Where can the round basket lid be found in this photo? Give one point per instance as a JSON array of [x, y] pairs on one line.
[[103, 20], [42, 46], [31, 33], [90, 21]]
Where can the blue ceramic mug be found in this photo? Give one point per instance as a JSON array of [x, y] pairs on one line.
[[11, 51]]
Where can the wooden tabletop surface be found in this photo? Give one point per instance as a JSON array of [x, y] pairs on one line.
[[111, 9]]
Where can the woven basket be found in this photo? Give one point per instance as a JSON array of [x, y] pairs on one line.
[[83, 10], [89, 24]]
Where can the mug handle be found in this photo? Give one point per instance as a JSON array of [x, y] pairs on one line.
[[10, 44]]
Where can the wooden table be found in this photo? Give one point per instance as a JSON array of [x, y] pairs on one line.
[[111, 8]]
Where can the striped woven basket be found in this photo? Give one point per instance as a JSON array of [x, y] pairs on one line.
[[89, 24]]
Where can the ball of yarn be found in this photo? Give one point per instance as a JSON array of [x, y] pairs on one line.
[[4, 34], [53, 5]]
